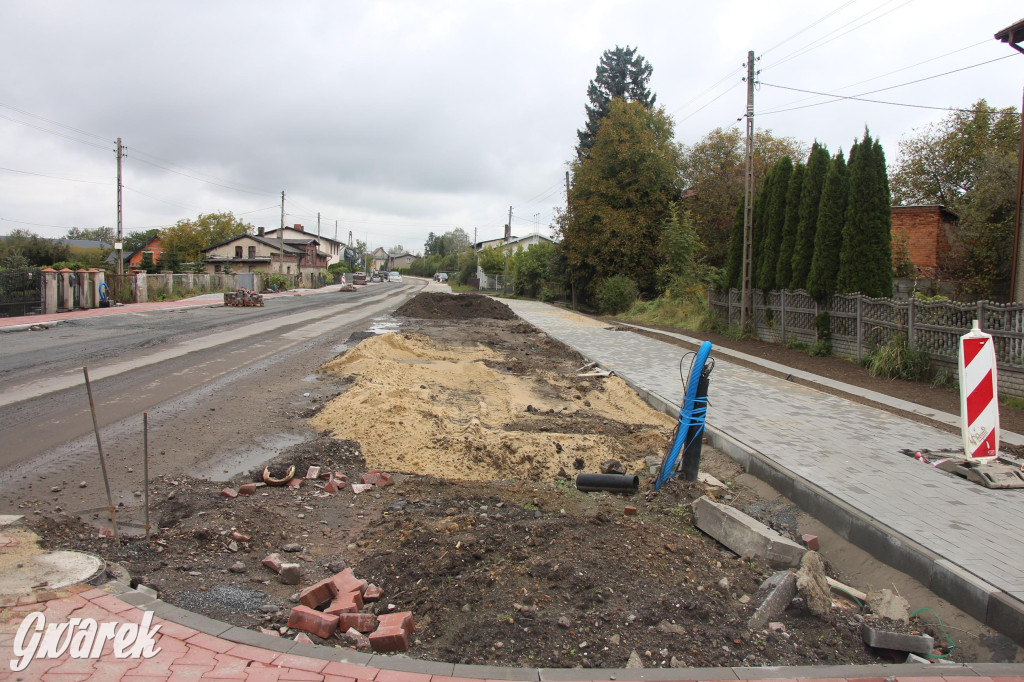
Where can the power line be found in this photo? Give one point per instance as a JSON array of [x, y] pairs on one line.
[[255, 190], [825, 39], [53, 132], [859, 97], [194, 177], [808, 27], [697, 111], [25, 222], [52, 122], [54, 177]]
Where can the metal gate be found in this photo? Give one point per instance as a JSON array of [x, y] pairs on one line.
[[20, 293], [120, 287], [247, 280]]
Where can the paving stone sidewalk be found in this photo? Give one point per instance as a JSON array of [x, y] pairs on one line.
[[967, 540]]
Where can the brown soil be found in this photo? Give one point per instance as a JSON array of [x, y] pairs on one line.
[[483, 536]]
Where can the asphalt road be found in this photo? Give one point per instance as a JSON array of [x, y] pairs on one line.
[[223, 389]]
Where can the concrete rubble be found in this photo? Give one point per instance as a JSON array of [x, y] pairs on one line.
[[744, 535]]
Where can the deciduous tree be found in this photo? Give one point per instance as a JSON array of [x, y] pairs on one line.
[[190, 237]]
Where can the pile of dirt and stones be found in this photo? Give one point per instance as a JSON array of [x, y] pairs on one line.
[[441, 306], [482, 426]]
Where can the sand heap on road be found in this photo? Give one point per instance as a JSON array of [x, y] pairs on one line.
[[448, 411]]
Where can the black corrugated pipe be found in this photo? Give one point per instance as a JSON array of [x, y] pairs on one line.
[[695, 434], [615, 483]]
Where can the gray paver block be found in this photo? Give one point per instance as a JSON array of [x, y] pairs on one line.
[[328, 653], [490, 672], [744, 535], [884, 639], [1006, 614], [136, 598], [198, 622], [410, 665], [257, 639]]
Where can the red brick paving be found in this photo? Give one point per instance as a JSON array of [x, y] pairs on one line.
[[186, 654]]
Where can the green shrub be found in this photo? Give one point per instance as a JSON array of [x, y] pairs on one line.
[[546, 294], [271, 280], [823, 327], [897, 360], [616, 295]]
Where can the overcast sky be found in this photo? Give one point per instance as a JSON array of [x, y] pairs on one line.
[[397, 119]]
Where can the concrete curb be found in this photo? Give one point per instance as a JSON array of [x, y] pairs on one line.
[[399, 663], [997, 609]]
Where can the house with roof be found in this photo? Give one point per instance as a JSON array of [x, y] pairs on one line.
[[509, 244], [257, 253], [334, 249]]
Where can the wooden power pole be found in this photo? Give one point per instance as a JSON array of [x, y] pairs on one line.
[[280, 238], [746, 313], [120, 222]]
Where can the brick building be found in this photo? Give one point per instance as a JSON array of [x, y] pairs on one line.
[[927, 231]]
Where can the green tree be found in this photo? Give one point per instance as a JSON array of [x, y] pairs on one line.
[[775, 219], [620, 197], [190, 237], [107, 235], [26, 246], [967, 162], [532, 267], [784, 266], [146, 263], [713, 172], [621, 74], [169, 260], [133, 241], [807, 226], [492, 261], [828, 237], [865, 260], [734, 268], [451, 242]]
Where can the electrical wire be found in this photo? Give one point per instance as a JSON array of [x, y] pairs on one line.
[[194, 177], [57, 177], [255, 190], [24, 222], [56, 123], [54, 132], [809, 26]]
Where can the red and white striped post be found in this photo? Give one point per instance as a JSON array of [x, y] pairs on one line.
[[979, 399]]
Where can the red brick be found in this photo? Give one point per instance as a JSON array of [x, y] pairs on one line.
[[228, 492], [340, 477], [312, 621], [350, 602], [811, 541], [240, 537], [372, 593], [319, 594], [303, 637], [295, 483], [377, 478], [364, 622], [273, 562], [329, 487], [390, 639], [313, 472], [629, 511], [346, 581], [248, 489], [402, 619]]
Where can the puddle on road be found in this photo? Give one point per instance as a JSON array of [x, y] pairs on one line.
[[241, 460], [384, 325]]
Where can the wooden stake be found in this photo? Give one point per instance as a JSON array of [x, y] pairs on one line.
[[145, 467], [103, 462]]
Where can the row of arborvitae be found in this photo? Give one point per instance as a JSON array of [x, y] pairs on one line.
[[824, 226]]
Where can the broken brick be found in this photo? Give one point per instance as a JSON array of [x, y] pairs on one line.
[[239, 537], [304, 638], [363, 622], [348, 602], [329, 487], [319, 594], [295, 483], [229, 493], [247, 489], [312, 621], [402, 619], [389, 640], [356, 639], [313, 472], [629, 511], [372, 593], [811, 541], [361, 487], [340, 477], [377, 478], [273, 562], [346, 581]]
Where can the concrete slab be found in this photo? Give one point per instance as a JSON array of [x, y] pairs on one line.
[[53, 570], [745, 535]]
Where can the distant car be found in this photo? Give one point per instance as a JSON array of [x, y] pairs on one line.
[[441, 277], [375, 277], [383, 276], [395, 276], [359, 278]]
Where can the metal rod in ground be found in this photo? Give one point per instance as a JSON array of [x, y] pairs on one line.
[[145, 467], [103, 462]]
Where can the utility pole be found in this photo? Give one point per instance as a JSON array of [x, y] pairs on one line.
[[746, 313], [318, 223], [120, 224], [280, 239], [568, 210], [508, 228]]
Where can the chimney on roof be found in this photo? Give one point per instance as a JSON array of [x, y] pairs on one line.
[[261, 231], [300, 228]]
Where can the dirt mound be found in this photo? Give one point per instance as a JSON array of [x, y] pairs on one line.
[[440, 306]]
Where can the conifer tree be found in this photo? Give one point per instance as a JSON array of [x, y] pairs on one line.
[[784, 266], [621, 74], [865, 260], [828, 236], [757, 225], [775, 218], [807, 227]]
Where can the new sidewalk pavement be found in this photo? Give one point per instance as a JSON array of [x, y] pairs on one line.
[[841, 462]]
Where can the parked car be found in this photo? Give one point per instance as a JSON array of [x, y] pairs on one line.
[[375, 277], [358, 278], [395, 276], [441, 277]]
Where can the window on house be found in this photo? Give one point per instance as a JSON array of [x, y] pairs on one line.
[[238, 252], [289, 269], [252, 252], [217, 268]]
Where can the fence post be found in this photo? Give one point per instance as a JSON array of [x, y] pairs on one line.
[[782, 311], [49, 287], [981, 314], [860, 319], [910, 323], [728, 319]]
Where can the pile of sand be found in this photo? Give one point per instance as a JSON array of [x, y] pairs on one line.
[[418, 408]]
